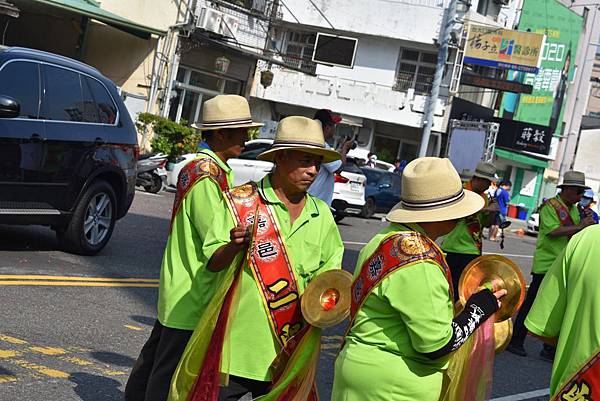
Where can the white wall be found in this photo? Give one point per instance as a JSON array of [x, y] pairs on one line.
[[586, 159], [158, 14], [412, 20]]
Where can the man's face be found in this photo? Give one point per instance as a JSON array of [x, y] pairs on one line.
[[480, 184], [571, 195], [233, 141], [328, 131], [297, 168], [506, 187]]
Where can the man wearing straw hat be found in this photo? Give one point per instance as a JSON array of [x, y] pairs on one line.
[[255, 315], [401, 320], [559, 221], [464, 243], [185, 286]]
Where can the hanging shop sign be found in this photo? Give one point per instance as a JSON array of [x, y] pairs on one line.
[[493, 83], [522, 136]]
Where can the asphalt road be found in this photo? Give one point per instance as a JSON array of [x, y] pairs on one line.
[[72, 326]]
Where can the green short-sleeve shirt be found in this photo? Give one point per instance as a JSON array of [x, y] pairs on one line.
[[409, 313], [313, 244], [460, 240], [567, 306], [185, 286], [548, 248]]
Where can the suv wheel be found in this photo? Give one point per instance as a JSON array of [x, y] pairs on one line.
[[92, 222], [368, 209]]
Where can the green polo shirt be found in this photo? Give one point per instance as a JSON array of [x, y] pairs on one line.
[[460, 240], [548, 248], [185, 286], [313, 244], [567, 306], [409, 313]]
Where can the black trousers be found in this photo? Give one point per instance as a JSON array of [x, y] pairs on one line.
[[457, 263], [243, 389], [519, 329], [151, 375]]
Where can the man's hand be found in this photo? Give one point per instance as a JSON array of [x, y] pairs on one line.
[[347, 145], [498, 293], [588, 220], [239, 237]]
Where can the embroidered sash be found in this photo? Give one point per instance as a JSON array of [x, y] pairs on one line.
[[194, 171], [563, 213], [269, 262], [395, 252], [584, 384]]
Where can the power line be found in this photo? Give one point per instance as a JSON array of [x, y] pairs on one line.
[[322, 15], [290, 11]]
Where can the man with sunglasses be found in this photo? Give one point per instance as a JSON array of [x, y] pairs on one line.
[[559, 221]]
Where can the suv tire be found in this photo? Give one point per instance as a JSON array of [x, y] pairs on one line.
[[368, 209], [92, 222]]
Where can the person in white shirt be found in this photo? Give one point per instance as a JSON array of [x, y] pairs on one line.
[[322, 186]]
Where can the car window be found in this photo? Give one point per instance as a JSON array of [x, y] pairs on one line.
[[90, 108], [372, 176], [63, 100], [352, 167], [252, 150], [21, 81], [107, 110]]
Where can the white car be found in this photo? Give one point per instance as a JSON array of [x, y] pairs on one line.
[[349, 190], [533, 224], [245, 167]]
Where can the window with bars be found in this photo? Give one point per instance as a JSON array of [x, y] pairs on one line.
[[415, 71], [299, 47]]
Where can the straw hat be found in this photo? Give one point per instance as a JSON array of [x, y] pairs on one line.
[[574, 179], [226, 111], [432, 191], [300, 133], [487, 171]]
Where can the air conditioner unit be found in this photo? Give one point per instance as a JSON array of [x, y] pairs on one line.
[[229, 25], [209, 19]]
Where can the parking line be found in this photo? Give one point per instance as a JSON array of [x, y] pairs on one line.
[[75, 284], [524, 396], [149, 194], [354, 243], [77, 278], [509, 255]]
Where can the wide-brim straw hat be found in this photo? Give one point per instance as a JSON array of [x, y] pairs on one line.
[[432, 191], [303, 134], [487, 171], [226, 112], [574, 179]]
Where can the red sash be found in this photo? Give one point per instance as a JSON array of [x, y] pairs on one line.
[[199, 168], [269, 262], [563, 213], [395, 252], [584, 385]]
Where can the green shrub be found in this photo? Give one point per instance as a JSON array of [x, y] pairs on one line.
[[171, 138]]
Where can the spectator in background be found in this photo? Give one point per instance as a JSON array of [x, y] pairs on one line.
[[371, 160], [322, 186], [503, 198], [586, 206], [399, 166]]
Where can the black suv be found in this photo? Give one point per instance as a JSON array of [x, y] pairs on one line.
[[68, 148]]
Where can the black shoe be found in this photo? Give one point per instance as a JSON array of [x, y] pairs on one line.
[[516, 349], [547, 354]]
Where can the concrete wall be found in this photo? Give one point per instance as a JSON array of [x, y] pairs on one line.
[[412, 20], [586, 159], [159, 14]]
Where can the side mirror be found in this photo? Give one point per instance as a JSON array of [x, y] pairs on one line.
[[9, 107]]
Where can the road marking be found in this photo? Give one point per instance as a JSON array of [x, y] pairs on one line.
[[12, 340], [48, 350], [148, 193], [509, 255], [76, 284], [77, 278], [132, 327], [524, 396], [77, 361], [7, 353], [8, 379], [54, 373], [354, 243]]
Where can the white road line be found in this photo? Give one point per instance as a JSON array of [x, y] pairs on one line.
[[524, 396], [354, 243], [148, 193], [509, 255]]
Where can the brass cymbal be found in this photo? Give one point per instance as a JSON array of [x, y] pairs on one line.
[[486, 268], [502, 334], [326, 300]]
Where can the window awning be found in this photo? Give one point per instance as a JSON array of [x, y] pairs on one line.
[[91, 9], [520, 158]]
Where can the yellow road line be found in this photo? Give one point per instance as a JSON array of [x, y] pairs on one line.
[[8, 379], [48, 350], [54, 373], [132, 327], [12, 340], [8, 353], [76, 284], [76, 278]]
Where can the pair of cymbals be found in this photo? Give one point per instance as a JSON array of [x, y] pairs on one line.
[[487, 269], [326, 300]]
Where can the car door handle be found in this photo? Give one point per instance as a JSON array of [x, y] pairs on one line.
[[99, 141], [35, 137]]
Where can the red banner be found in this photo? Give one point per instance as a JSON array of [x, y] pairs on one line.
[[585, 385]]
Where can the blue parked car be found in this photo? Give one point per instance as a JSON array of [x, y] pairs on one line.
[[382, 191]]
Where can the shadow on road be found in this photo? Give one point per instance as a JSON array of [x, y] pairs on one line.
[[96, 388], [113, 358], [148, 321]]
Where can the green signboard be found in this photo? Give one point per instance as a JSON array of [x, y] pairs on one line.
[[562, 27]]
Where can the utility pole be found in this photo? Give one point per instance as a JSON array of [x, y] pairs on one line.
[[444, 42]]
